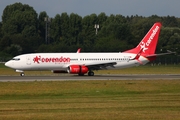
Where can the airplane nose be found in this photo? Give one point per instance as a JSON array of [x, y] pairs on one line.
[[8, 64]]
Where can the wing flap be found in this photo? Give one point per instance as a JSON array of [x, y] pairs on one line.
[[100, 66]]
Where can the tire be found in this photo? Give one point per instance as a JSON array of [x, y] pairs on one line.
[[90, 73], [22, 74]]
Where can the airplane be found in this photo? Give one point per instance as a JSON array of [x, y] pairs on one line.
[[82, 63]]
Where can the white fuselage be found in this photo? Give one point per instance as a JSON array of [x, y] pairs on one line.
[[60, 61]]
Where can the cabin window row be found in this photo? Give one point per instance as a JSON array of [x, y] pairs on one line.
[[95, 59], [74, 59]]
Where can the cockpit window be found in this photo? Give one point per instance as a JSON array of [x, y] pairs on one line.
[[16, 59]]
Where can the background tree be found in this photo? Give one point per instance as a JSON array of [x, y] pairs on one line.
[[88, 36], [65, 28], [19, 18], [42, 25], [20, 24], [56, 29], [22, 30]]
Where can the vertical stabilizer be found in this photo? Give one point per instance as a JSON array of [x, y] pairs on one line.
[[149, 42]]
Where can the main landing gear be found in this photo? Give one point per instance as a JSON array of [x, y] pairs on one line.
[[90, 73]]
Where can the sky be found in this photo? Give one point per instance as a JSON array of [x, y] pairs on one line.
[[87, 7]]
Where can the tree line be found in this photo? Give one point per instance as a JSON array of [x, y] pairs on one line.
[[22, 30]]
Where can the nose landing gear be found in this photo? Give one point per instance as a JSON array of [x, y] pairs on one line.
[[22, 74]]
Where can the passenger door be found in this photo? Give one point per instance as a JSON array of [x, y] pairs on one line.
[[28, 60]]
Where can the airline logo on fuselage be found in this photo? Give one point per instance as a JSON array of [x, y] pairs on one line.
[[61, 59], [144, 45]]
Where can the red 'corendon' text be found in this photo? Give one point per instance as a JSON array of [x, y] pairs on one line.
[[61, 59], [54, 60]]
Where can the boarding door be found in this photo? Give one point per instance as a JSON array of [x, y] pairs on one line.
[[28, 60]]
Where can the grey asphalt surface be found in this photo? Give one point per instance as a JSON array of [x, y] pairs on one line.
[[96, 77]]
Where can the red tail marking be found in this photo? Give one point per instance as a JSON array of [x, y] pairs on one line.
[[149, 42]]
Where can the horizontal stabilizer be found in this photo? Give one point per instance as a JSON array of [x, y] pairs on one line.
[[154, 55]]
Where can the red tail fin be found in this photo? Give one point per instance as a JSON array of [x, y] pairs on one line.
[[149, 42]]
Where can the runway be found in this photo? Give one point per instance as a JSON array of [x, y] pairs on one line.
[[96, 77]]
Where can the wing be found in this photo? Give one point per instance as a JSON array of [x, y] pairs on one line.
[[100, 66]]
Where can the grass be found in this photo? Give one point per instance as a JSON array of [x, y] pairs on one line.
[[91, 100]]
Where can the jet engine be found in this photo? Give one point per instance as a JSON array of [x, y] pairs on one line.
[[77, 69]]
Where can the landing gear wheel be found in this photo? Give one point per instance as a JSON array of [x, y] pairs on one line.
[[91, 73], [22, 74]]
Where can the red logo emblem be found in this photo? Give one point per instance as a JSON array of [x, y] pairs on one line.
[[37, 59]]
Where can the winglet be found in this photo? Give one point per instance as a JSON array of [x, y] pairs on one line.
[[79, 50]]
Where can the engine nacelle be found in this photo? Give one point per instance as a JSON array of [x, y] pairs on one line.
[[59, 71], [77, 69]]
